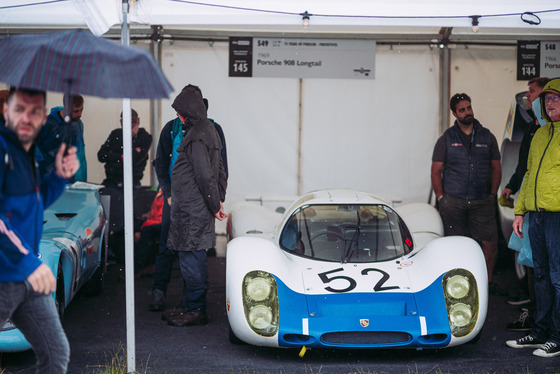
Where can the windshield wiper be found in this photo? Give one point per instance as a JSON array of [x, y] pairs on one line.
[[355, 240]]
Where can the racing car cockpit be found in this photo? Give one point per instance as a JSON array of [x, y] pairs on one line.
[[346, 233]]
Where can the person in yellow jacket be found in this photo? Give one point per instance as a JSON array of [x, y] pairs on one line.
[[540, 195]]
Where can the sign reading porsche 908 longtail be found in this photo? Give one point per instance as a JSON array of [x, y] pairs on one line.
[[302, 58]]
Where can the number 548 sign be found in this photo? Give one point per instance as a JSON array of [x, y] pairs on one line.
[[538, 59]]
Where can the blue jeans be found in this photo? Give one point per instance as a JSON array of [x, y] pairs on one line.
[[544, 233], [164, 257], [194, 269], [35, 315]]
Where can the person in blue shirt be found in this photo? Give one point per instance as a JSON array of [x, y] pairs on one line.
[[26, 284]]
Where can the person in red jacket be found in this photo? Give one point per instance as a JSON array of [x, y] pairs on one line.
[[147, 238]]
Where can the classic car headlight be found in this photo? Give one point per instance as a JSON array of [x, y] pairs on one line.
[[258, 289], [260, 317], [260, 302], [8, 325], [457, 286], [460, 314], [461, 299]]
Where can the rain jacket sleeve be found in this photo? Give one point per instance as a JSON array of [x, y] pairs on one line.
[[15, 256], [163, 159], [203, 173], [111, 150], [52, 186]]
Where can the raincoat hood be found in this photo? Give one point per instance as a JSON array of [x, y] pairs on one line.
[[551, 87], [189, 105]]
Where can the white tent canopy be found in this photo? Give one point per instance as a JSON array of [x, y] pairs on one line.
[[355, 17]]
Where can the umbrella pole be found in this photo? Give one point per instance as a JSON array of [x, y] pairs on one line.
[[129, 215]]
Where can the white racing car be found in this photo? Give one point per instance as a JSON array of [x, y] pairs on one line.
[[342, 268]]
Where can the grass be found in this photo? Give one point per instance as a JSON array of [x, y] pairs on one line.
[[116, 364]]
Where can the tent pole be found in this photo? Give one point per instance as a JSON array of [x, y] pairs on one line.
[[445, 77], [155, 105], [128, 214], [299, 140]]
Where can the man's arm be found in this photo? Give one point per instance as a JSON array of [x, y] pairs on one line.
[[65, 167], [141, 149], [205, 179], [437, 181], [163, 159], [496, 168], [106, 152]]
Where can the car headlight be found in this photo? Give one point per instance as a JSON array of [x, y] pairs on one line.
[[461, 299], [258, 288], [260, 302], [457, 286], [8, 325], [460, 314]]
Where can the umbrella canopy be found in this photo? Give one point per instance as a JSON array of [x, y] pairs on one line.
[[77, 62]]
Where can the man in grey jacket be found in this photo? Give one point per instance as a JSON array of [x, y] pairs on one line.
[[198, 187]]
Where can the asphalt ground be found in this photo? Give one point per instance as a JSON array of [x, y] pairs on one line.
[[97, 332]]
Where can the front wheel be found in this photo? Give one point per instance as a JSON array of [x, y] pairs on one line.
[[233, 339], [59, 293]]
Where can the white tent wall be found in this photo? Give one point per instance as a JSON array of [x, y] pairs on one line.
[[488, 74], [375, 135], [356, 133]]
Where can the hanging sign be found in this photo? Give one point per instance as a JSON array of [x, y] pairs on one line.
[[537, 59], [301, 58]]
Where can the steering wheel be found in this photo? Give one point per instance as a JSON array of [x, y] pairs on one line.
[[324, 233]]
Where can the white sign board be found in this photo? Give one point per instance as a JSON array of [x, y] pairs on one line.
[[302, 58], [550, 59]]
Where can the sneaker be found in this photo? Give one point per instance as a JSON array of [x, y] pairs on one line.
[[158, 301], [521, 299], [171, 313], [528, 341], [188, 319], [523, 323], [549, 349]]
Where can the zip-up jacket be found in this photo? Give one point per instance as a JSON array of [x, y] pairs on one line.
[[467, 173], [52, 134], [23, 197], [111, 153], [541, 186]]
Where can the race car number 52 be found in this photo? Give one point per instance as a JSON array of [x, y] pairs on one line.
[[329, 276]]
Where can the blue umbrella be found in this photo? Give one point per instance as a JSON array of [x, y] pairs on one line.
[[77, 62]]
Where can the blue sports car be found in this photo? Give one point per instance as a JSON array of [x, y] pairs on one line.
[[73, 245]]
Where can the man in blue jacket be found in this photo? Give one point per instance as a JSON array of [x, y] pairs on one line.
[[26, 284], [63, 127]]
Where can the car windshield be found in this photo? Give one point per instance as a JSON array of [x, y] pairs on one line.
[[346, 233]]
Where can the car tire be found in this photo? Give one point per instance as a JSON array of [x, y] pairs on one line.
[[234, 339], [94, 285], [476, 338], [59, 295]]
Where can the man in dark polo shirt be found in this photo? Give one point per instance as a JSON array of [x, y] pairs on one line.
[[466, 174]]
